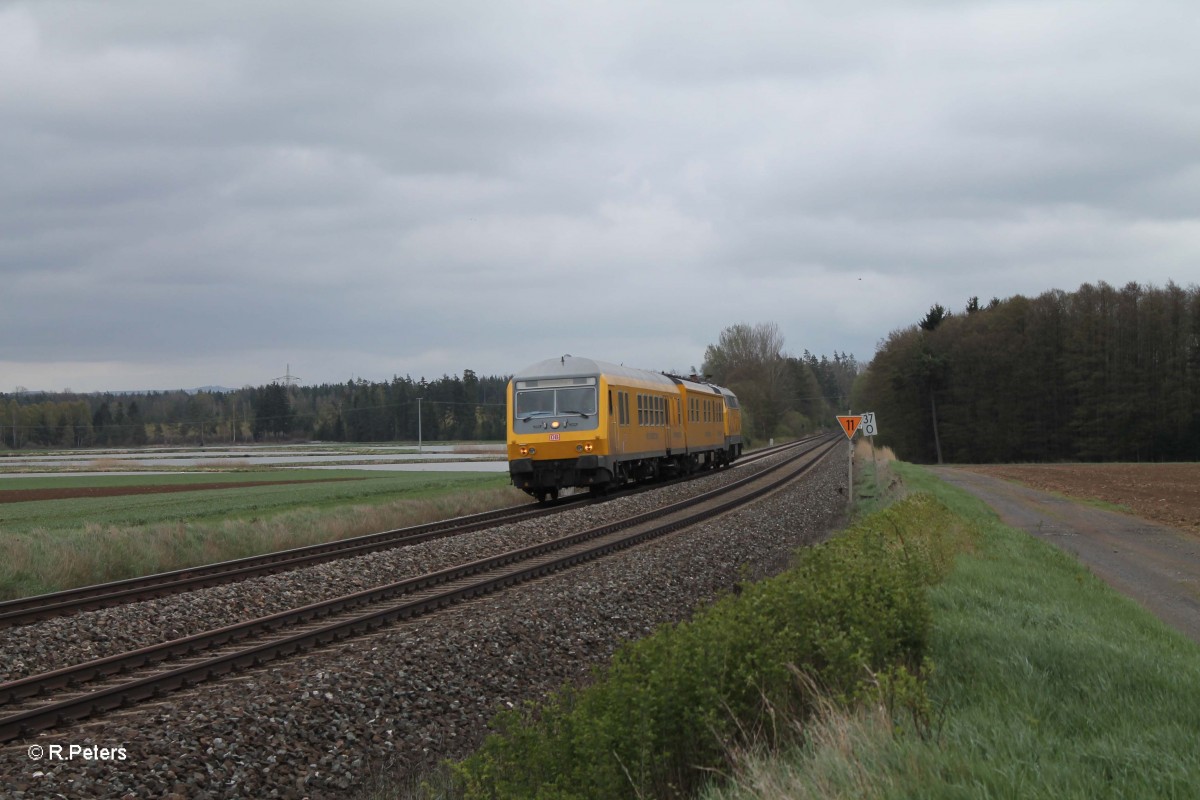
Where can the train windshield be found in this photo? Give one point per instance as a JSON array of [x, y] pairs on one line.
[[556, 402], [575, 401]]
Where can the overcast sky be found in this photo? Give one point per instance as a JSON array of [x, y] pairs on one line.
[[196, 193]]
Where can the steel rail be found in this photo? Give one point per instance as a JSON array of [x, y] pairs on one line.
[[491, 573]]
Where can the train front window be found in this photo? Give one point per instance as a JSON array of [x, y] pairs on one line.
[[534, 403], [579, 401]]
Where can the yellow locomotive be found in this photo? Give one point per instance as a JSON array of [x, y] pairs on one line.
[[575, 422]]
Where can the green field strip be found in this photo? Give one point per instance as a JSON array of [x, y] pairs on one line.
[[320, 491]]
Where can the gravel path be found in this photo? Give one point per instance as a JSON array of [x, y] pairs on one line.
[[402, 699]]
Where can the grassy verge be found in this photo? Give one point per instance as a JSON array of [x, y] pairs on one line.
[[849, 622], [57, 544], [1048, 684]]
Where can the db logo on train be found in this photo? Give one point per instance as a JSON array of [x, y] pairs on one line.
[[554, 437]]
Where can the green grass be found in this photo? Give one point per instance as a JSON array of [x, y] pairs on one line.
[[1048, 684], [315, 489], [57, 544]]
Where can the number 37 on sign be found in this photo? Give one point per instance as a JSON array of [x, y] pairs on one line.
[[868, 426]]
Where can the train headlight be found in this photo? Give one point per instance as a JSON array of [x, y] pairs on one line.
[[587, 447], [555, 424], [524, 450]]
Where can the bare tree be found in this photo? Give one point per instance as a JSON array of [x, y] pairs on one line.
[[750, 361]]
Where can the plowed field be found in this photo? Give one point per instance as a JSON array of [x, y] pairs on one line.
[[1166, 493], [25, 495]]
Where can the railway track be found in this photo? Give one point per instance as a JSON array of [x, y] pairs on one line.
[[56, 698], [26, 610]]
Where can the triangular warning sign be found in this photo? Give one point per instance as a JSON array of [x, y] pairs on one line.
[[850, 424]]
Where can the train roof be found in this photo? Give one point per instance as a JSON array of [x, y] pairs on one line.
[[696, 386], [569, 366], [574, 366]]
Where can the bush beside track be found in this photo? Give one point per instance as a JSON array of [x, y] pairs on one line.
[[851, 620]]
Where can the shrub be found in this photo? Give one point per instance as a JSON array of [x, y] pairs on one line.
[[851, 618]]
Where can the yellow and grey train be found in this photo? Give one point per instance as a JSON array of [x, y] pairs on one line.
[[575, 422]]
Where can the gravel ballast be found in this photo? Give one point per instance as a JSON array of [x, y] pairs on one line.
[[400, 700]]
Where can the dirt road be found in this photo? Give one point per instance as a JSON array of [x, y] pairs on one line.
[[1156, 564]]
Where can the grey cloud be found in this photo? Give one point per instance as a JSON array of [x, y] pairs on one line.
[[414, 187]]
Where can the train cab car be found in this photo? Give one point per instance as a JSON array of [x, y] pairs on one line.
[[575, 422]]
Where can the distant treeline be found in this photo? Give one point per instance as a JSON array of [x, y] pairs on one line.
[[1099, 374], [465, 407], [781, 396]]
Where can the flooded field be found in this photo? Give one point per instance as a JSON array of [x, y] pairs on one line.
[[487, 457]]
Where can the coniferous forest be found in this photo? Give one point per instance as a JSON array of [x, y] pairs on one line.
[[465, 407], [1098, 374]]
